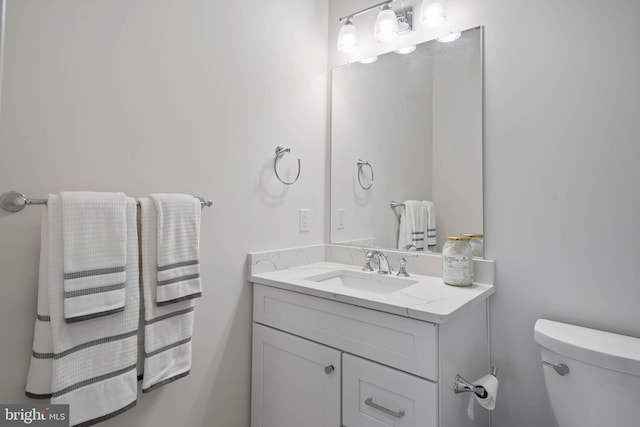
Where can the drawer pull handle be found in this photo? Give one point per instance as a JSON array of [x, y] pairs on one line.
[[370, 402], [329, 369]]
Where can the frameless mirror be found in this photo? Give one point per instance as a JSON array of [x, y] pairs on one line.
[[408, 127], [2, 14]]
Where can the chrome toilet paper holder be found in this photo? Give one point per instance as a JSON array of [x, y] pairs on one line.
[[460, 385]]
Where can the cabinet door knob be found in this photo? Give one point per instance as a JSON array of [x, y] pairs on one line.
[[329, 369]]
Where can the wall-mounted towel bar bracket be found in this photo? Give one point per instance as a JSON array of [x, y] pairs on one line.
[[281, 151], [12, 201]]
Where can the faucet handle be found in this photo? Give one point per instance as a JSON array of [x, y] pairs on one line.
[[367, 261], [403, 268]]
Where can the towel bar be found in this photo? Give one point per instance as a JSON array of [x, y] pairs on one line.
[[12, 201]]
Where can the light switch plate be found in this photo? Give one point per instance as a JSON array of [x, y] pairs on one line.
[[340, 218]]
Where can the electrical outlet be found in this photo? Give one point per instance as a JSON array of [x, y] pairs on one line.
[[305, 220]]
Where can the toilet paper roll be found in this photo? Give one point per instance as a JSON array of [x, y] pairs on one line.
[[490, 384]]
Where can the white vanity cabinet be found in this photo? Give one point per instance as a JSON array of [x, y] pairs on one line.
[[319, 362], [296, 382]]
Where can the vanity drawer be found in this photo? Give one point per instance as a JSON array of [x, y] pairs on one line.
[[403, 343], [377, 396]]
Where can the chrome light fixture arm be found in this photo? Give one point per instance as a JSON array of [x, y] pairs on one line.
[[360, 12]]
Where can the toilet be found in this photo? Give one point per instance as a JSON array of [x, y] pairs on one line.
[[592, 377]]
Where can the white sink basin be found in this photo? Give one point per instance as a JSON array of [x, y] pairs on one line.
[[368, 282]]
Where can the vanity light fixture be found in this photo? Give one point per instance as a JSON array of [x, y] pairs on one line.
[[389, 24], [433, 13], [448, 38], [406, 50]]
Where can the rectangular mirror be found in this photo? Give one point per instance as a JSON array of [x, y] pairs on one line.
[[2, 18], [408, 127]]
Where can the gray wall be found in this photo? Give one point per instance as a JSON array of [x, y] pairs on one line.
[[562, 205], [165, 96], [562, 141]]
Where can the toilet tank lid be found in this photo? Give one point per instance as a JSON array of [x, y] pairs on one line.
[[612, 351]]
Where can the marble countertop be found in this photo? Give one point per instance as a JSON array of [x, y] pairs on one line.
[[429, 299]]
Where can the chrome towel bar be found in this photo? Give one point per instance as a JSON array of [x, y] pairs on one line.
[[12, 201]]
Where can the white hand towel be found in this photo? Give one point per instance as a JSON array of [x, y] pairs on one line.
[[178, 247], [92, 363], [95, 253], [167, 329], [413, 221], [431, 223]]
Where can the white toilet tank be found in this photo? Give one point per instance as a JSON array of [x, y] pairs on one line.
[[602, 386]]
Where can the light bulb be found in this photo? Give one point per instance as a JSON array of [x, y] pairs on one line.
[[433, 13], [369, 60], [406, 50], [386, 27], [451, 37], [348, 37]]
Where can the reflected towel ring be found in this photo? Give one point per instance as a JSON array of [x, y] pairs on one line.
[[362, 163], [281, 151]]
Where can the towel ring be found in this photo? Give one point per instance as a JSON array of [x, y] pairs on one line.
[[281, 151], [362, 163]]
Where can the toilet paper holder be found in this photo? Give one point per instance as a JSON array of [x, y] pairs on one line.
[[460, 385]]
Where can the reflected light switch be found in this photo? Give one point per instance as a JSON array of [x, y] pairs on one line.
[[340, 219]]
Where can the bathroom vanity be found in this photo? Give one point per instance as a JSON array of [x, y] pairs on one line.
[[334, 346]]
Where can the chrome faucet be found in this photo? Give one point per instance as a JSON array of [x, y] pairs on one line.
[[383, 262]]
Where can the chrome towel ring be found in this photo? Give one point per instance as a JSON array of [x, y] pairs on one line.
[[281, 151], [361, 163]]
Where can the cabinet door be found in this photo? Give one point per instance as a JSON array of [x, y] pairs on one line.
[[377, 396], [295, 382]]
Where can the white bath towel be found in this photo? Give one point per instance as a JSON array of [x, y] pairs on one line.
[[168, 328], [95, 252], [92, 363], [431, 223], [178, 248]]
